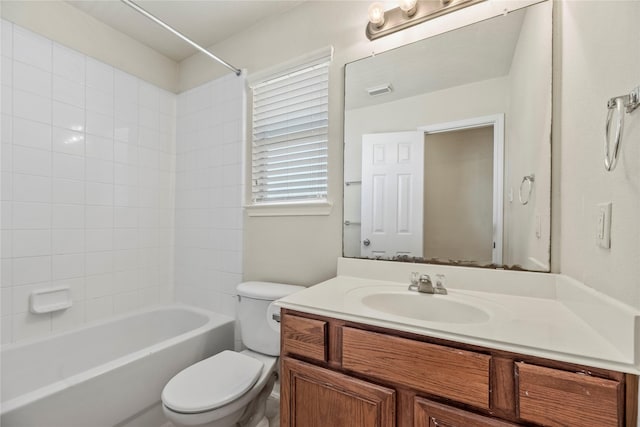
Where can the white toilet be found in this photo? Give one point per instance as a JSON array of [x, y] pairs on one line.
[[231, 388]]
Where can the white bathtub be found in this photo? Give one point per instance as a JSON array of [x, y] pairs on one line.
[[106, 373]]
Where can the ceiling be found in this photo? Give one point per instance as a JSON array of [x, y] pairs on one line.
[[206, 22], [470, 54]]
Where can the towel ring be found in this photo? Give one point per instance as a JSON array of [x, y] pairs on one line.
[[611, 158], [629, 102], [529, 179]]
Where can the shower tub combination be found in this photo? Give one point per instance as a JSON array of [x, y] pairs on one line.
[[108, 373]]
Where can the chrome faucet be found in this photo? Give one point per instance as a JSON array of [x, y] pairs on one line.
[[422, 283]]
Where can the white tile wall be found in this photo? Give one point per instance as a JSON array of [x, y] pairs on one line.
[[87, 181], [208, 222], [88, 175]]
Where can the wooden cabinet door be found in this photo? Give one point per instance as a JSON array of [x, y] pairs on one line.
[[432, 414], [316, 397]]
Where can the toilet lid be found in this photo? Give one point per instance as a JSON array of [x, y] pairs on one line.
[[211, 383]]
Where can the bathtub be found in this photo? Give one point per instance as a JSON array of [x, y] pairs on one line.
[[106, 373]]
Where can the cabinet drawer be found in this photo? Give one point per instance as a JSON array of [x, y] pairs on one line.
[[431, 414], [304, 337], [558, 398], [454, 374]]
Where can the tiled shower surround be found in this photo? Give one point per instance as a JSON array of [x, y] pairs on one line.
[[209, 191], [89, 187]]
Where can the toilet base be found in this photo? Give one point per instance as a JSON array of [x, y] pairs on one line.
[[252, 415], [255, 412]]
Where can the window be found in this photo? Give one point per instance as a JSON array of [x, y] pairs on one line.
[[290, 134]]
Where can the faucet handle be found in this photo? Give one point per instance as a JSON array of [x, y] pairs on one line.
[[415, 277], [440, 281], [415, 281]]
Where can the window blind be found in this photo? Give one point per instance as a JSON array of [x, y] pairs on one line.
[[290, 134]]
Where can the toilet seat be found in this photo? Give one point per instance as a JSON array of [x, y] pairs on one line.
[[211, 383]]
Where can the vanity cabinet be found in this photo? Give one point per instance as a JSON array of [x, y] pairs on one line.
[[345, 374]]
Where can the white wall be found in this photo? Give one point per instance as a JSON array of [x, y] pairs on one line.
[[77, 30], [589, 67], [597, 57], [528, 149], [87, 158], [209, 154], [303, 250], [458, 195]]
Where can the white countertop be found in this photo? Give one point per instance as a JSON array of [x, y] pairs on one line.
[[557, 320]]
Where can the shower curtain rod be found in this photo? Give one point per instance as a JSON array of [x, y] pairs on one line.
[[179, 34]]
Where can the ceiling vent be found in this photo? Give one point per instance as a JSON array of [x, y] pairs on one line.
[[380, 90]]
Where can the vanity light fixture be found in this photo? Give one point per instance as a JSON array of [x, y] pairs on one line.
[[409, 13], [380, 90]]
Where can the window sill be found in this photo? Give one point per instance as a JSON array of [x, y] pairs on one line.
[[290, 209]]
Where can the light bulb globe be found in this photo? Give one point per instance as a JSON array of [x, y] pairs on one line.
[[408, 6], [376, 14]]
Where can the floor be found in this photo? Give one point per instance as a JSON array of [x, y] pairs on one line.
[[273, 410]]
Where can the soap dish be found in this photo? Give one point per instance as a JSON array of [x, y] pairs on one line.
[[50, 299]]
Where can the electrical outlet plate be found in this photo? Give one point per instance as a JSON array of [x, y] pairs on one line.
[[603, 225]]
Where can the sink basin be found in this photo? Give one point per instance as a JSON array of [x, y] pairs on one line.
[[431, 308]]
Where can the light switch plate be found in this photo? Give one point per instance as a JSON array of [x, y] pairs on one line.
[[603, 225]]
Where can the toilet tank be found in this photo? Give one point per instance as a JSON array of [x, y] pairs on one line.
[[258, 330]]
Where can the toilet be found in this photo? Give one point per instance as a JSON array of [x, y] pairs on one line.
[[231, 388]]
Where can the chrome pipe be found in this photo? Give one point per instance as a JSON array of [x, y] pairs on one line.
[[167, 27]]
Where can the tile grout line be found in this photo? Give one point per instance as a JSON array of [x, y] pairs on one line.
[[113, 191], [11, 336], [84, 183], [51, 179]]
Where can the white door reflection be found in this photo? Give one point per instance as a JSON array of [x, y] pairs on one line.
[[392, 194]]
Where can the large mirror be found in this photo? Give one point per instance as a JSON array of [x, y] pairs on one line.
[[447, 154]]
